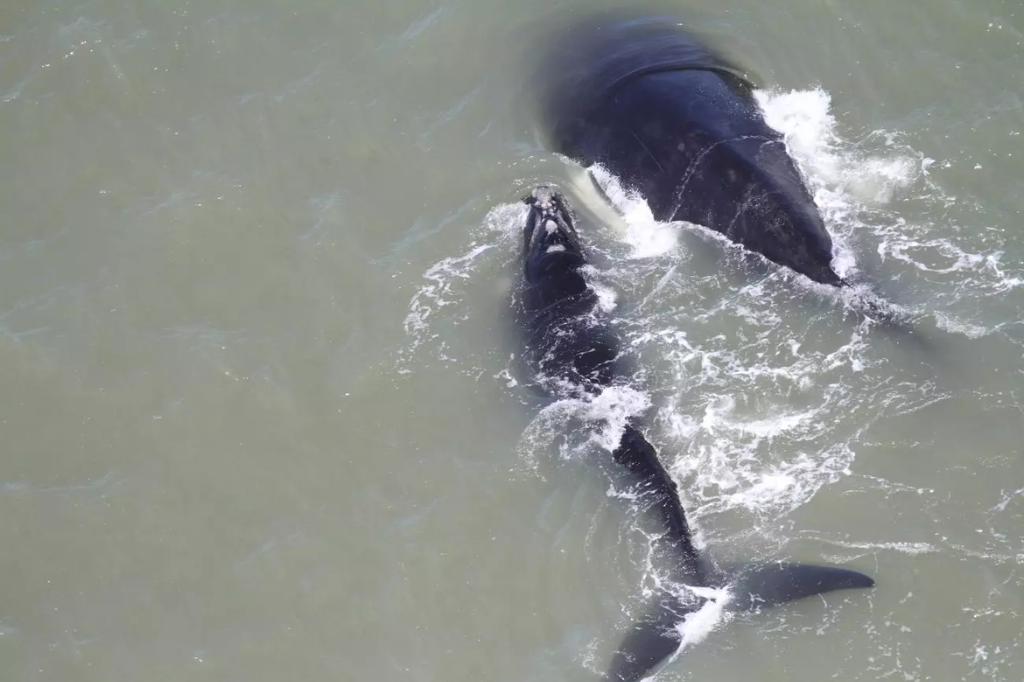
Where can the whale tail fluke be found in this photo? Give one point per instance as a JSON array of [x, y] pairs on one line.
[[655, 636]]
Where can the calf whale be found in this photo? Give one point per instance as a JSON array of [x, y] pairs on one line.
[[571, 345], [677, 122]]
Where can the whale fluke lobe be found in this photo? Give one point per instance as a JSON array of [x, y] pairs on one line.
[[771, 584], [652, 639]]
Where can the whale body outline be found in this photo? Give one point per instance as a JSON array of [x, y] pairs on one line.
[[573, 349]]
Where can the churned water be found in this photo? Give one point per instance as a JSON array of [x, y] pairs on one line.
[[264, 415]]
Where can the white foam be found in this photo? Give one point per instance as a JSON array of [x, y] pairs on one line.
[[647, 237], [810, 130], [431, 296], [843, 178], [806, 122], [912, 548], [445, 281], [612, 408], [697, 625], [607, 298], [949, 324]]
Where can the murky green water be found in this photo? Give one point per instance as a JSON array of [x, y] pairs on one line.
[[260, 415]]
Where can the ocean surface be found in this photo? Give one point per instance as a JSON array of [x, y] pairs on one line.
[[263, 416]]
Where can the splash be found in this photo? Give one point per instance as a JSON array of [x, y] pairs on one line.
[[646, 237], [696, 626], [841, 173], [447, 282]]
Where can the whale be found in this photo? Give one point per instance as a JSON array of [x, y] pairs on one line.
[[677, 122], [571, 345]]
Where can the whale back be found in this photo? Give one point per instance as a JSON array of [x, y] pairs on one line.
[[699, 150], [580, 63], [677, 122]]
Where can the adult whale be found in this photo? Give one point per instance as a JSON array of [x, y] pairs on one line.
[[571, 345], [677, 122]]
